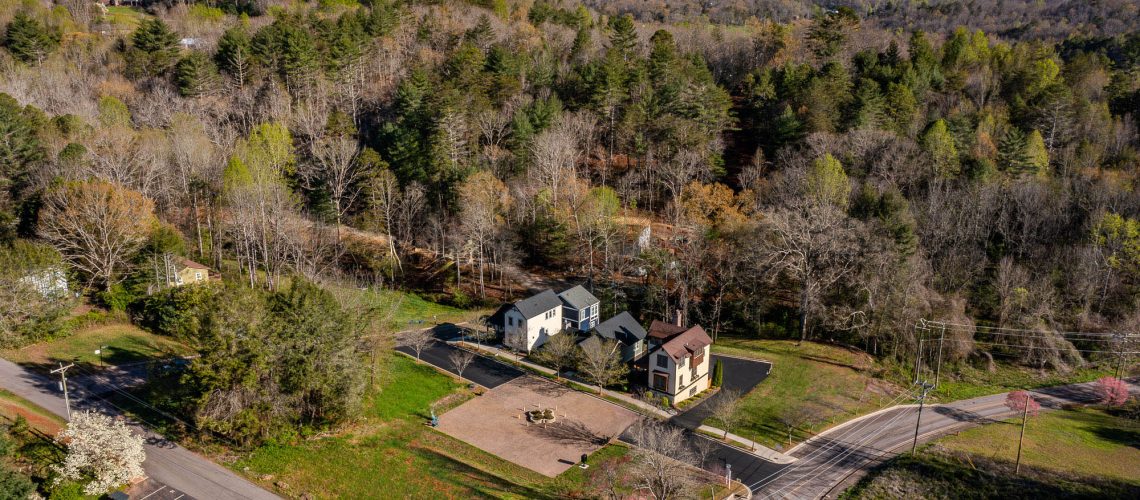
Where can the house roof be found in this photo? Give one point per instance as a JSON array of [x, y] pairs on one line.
[[687, 343], [661, 330], [578, 297], [183, 262], [497, 317], [624, 328], [538, 304], [588, 341]]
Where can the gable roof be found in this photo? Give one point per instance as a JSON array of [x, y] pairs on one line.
[[661, 330], [538, 304], [183, 263], [686, 344], [624, 328], [496, 318], [578, 297]]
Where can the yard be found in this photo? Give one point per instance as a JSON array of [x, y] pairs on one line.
[[120, 343], [400, 310], [812, 385], [392, 450], [1080, 453]]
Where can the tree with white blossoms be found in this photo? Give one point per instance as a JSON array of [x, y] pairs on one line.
[[101, 448]]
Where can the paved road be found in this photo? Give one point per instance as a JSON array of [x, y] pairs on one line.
[[834, 460], [174, 467], [740, 375]]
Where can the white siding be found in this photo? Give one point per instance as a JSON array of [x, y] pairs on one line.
[[529, 334]]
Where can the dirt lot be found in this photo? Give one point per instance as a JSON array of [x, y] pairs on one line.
[[496, 422]]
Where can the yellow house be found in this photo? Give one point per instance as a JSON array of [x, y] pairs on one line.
[[185, 271]]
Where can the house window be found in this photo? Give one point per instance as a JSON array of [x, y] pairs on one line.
[[692, 391], [662, 361], [510, 321], [682, 380], [660, 380], [197, 276]]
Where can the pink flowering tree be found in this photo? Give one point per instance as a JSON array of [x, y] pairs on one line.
[[1113, 391], [1017, 401]]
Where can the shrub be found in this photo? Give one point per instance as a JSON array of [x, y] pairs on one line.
[[718, 374]]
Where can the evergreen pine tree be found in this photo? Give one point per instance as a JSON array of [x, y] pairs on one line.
[[28, 40], [718, 374], [623, 40], [154, 49], [233, 55], [1012, 156], [195, 75]]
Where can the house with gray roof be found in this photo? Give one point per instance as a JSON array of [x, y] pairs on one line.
[[527, 324], [580, 309], [626, 331]]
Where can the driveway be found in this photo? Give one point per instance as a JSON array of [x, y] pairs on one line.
[[483, 371], [740, 375], [174, 466]]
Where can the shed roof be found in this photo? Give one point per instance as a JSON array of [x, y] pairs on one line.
[[578, 297], [538, 304], [624, 328]]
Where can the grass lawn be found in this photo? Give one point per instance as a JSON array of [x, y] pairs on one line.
[[1081, 453], [125, 18], [827, 384], [965, 381], [392, 450], [400, 310], [124, 343], [1084, 441]]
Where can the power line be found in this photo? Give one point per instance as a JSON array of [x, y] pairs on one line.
[[1037, 347], [835, 442], [1027, 330], [811, 474]]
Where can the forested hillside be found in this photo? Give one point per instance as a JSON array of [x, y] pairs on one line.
[[833, 174]]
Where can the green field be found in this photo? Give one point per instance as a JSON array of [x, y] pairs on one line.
[[828, 384], [965, 382], [124, 343], [402, 310], [392, 450], [1073, 453], [125, 18]]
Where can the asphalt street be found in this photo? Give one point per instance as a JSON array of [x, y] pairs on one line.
[[173, 471], [833, 460]]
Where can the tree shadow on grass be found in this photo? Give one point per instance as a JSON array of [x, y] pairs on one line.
[[483, 483]]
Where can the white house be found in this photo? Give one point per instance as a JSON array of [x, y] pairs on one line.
[[527, 324], [679, 360], [51, 282]]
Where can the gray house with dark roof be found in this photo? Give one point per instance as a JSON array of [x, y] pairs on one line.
[[527, 324], [580, 309], [624, 329]]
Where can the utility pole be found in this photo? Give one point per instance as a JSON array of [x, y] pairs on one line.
[[918, 329], [938, 369], [921, 402], [1024, 418], [62, 371]]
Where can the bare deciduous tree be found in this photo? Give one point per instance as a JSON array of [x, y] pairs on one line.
[[97, 226], [601, 362], [460, 359], [725, 407], [664, 460], [559, 352], [416, 340]]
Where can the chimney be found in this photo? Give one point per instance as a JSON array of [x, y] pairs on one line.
[[677, 318]]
